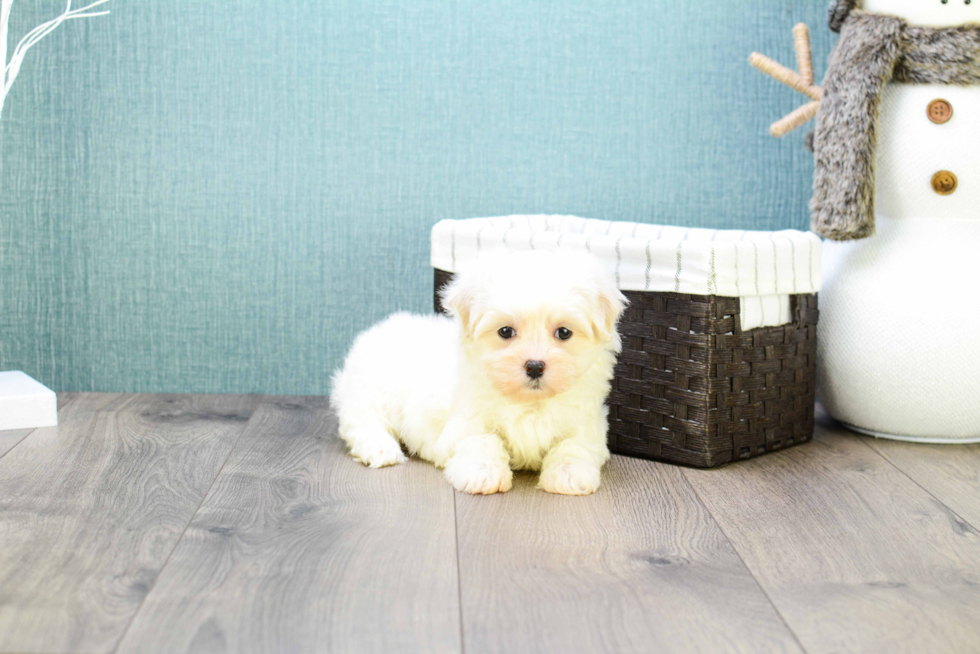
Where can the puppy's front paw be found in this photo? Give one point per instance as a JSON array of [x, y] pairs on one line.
[[573, 478], [478, 477], [379, 453]]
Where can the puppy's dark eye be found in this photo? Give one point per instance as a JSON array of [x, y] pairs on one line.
[[563, 333], [507, 333]]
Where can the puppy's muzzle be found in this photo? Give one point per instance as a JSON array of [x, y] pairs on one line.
[[534, 369]]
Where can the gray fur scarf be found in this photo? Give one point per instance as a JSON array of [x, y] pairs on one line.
[[873, 50]]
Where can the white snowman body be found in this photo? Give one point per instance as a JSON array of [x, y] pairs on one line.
[[899, 345]]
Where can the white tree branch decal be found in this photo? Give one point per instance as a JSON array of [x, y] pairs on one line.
[[11, 68]]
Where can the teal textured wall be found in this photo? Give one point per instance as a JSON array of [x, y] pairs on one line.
[[216, 196]]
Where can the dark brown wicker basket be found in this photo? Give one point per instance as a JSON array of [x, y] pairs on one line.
[[692, 388]]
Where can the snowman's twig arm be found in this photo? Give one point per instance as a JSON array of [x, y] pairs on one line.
[[801, 81], [783, 74], [796, 119], [804, 54]]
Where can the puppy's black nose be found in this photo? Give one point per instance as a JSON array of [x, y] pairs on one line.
[[534, 369]]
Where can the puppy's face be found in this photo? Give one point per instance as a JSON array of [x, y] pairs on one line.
[[534, 322], [533, 354]]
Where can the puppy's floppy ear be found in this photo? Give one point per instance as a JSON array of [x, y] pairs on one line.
[[457, 299], [608, 304]]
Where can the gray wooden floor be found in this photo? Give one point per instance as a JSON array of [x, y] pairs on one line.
[[169, 523]]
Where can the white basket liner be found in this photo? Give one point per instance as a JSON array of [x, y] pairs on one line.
[[769, 266]]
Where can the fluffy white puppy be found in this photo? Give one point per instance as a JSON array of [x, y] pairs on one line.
[[515, 380]]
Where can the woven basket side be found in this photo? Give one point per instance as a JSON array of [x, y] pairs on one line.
[[442, 278], [659, 403]]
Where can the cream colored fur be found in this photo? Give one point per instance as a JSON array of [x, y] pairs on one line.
[[454, 392]]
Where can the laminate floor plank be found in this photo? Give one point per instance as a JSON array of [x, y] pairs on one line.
[[121, 523], [64, 397], [950, 472], [10, 437], [856, 556], [90, 510], [638, 567], [89, 402], [298, 548]]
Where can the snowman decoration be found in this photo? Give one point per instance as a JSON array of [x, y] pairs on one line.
[[897, 192]]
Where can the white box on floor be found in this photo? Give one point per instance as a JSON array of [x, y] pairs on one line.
[[26, 403]]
